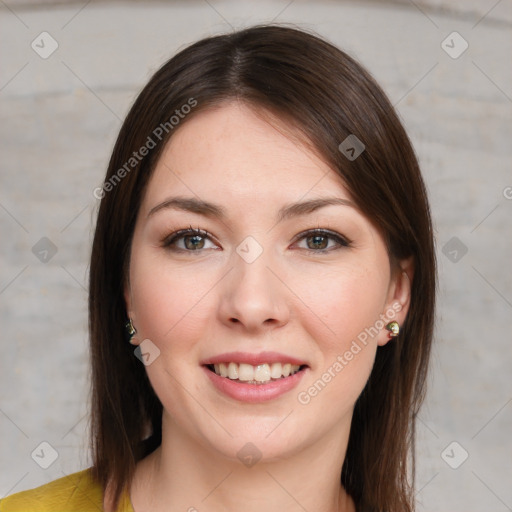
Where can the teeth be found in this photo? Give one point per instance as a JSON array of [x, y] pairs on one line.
[[245, 372], [255, 374], [232, 371], [275, 370], [223, 369], [262, 373]]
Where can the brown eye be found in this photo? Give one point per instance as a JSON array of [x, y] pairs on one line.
[[188, 240], [317, 242], [321, 241], [194, 242]]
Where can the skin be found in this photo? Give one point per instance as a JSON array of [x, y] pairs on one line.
[[292, 299]]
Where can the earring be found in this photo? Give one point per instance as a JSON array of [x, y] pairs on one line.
[[130, 329], [394, 329]]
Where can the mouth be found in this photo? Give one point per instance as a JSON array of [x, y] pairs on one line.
[[253, 378], [255, 374]]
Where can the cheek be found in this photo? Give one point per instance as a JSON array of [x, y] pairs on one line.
[[347, 302], [172, 310], [168, 301], [349, 305]]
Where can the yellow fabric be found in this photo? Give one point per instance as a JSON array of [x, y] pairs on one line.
[[73, 493]]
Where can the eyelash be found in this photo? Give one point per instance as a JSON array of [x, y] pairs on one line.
[[171, 239]]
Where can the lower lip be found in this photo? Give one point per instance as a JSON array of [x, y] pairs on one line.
[[254, 393]]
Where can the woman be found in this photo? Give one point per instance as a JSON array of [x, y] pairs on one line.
[[264, 235]]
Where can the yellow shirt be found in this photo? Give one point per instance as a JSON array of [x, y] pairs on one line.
[[73, 493]]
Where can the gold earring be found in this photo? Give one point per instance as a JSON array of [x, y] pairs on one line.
[[394, 329], [130, 329]]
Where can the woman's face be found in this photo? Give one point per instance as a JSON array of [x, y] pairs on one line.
[[227, 315]]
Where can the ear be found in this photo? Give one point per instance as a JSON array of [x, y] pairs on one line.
[[399, 297]]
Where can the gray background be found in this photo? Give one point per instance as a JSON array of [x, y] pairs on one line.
[[59, 119]]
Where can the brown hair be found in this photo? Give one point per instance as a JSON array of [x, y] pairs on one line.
[[324, 93]]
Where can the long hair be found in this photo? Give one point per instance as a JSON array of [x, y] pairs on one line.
[[318, 89]]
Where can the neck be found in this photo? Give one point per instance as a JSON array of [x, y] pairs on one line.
[[183, 474]]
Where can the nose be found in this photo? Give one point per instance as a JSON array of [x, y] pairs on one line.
[[252, 298]]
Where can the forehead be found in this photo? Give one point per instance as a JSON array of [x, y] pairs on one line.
[[231, 152]]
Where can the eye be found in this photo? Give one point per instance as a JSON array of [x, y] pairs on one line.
[[195, 240], [188, 240], [321, 240]]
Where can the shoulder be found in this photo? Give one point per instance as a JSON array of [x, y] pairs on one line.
[[77, 492]]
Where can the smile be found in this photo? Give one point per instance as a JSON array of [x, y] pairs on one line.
[[250, 377], [259, 374]]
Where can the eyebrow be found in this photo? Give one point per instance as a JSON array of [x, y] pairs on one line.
[[211, 210]]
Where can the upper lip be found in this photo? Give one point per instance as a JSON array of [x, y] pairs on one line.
[[253, 359]]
